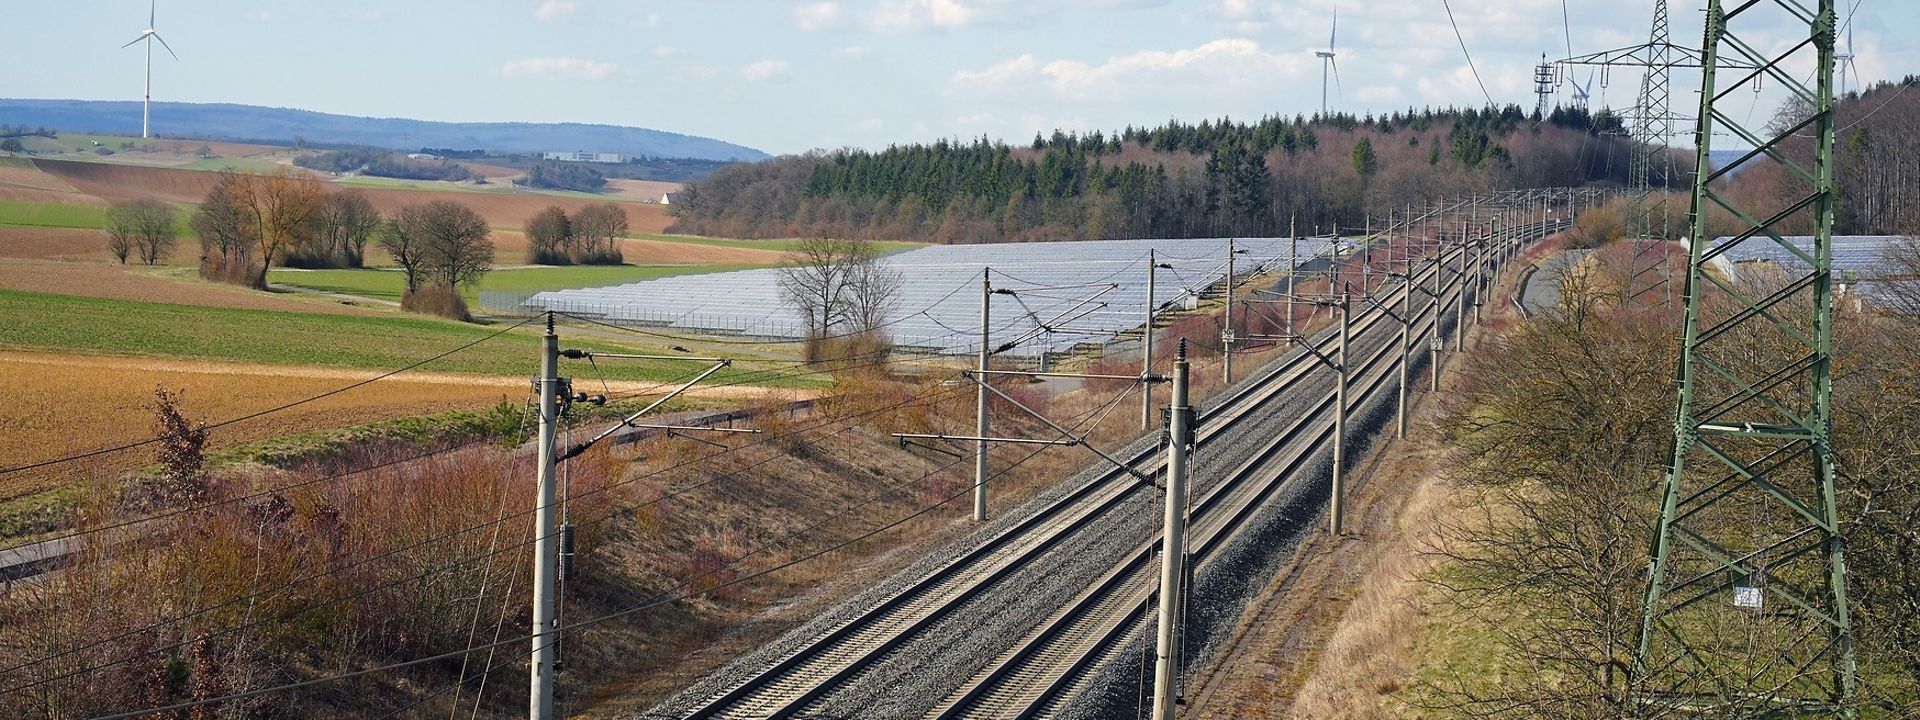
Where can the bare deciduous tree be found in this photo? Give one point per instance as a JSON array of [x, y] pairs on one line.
[[596, 234], [142, 228], [549, 237], [842, 290], [347, 223]]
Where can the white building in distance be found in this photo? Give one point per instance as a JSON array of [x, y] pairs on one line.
[[587, 157]]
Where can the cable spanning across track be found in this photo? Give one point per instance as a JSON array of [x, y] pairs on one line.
[[1052, 661]]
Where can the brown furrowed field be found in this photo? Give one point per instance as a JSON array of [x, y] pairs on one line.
[[649, 190], [167, 285], [54, 244], [49, 399], [107, 183], [22, 181]]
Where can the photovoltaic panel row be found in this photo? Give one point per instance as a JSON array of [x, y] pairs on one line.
[[1857, 256], [1064, 293]]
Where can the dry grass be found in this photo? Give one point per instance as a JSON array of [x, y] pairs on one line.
[[115, 282], [1369, 658], [52, 396]]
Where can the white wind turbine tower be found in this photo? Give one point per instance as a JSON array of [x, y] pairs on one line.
[[146, 105], [1326, 62], [1844, 61]]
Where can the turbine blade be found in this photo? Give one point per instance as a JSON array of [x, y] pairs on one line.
[[135, 40], [152, 6], [1335, 33], [1340, 91], [163, 43]]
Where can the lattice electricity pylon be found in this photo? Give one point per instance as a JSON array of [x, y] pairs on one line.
[[1649, 126], [1746, 606]]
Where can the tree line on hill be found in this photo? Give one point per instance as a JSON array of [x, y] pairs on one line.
[[555, 175], [250, 222], [384, 163], [1175, 180]]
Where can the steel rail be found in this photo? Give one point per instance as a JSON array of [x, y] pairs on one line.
[[787, 686]]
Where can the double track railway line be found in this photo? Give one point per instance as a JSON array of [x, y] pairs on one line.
[[1053, 661]]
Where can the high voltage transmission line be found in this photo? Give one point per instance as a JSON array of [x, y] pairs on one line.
[[1746, 611]]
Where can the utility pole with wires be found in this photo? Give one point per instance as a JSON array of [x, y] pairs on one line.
[[553, 541], [1650, 130], [1173, 553], [982, 376], [1146, 339], [1226, 330], [980, 401], [546, 628]]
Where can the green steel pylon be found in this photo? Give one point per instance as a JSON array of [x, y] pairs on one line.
[[1746, 606]]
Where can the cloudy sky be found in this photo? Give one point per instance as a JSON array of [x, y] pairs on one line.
[[787, 76]]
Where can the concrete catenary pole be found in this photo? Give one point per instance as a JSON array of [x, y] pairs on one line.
[[1460, 293], [1226, 333], [1433, 330], [980, 401], [1146, 349], [1166, 667], [1293, 253], [1337, 504], [546, 630], [1406, 352]]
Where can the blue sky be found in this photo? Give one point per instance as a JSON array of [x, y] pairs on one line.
[[789, 76]]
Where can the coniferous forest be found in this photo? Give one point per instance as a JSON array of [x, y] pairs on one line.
[[1211, 179]]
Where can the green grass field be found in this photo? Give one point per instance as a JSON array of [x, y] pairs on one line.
[[20, 213], [781, 245], [387, 284], [62, 323]]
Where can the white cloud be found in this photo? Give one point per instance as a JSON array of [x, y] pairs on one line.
[[570, 67], [823, 15], [552, 10], [654, 20], [1217, 69], [665, 51], [902, 15], [853, 52], [998, 75], [908, 15], [765, 70]]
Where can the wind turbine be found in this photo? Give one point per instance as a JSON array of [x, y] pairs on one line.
[[1326, 62], [146, 105], [1845, 61]]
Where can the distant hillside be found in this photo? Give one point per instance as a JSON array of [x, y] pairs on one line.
[[282, 126]]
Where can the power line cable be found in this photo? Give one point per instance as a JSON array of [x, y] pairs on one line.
[[670, 595], [1463, 51], [909, 402]]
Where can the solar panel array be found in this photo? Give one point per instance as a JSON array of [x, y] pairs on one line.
[[1064, 293], [1858, 260]]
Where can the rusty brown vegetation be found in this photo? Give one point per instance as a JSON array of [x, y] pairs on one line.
[[1565, 425]]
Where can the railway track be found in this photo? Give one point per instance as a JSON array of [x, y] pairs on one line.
[[795, 683]]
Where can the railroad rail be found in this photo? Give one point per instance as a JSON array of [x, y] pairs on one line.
[[790, 685]]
